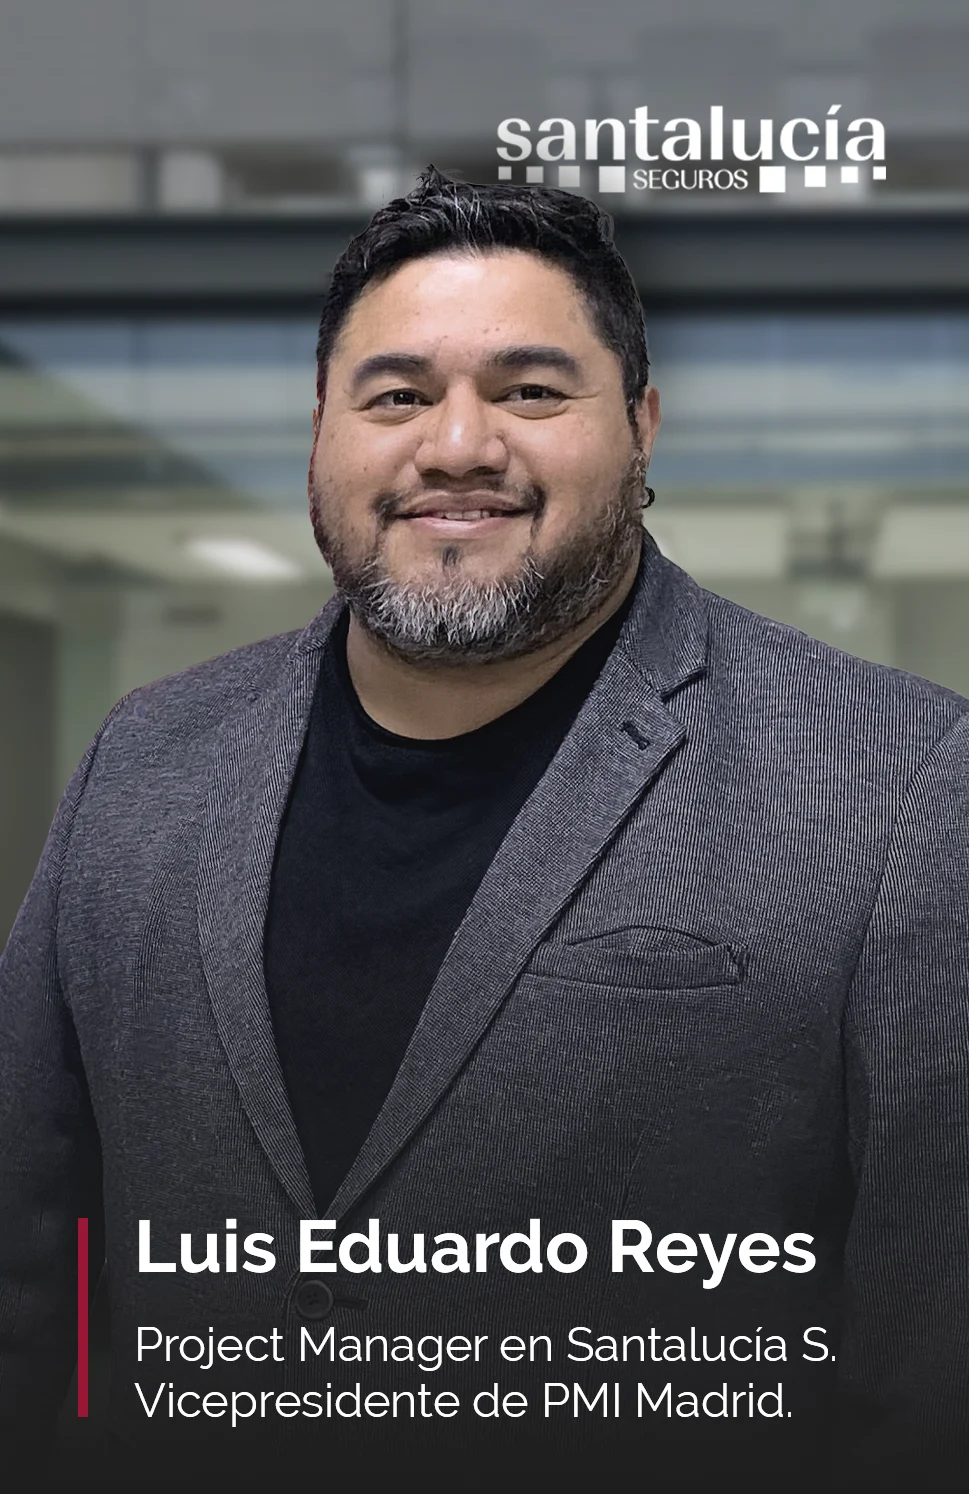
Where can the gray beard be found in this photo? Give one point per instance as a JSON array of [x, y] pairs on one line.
[[459, 620]]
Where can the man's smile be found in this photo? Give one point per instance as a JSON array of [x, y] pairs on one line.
[[463, 514], [463, 523]]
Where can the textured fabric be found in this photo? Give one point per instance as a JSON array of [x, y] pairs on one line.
[[716, 978], [383, 844]]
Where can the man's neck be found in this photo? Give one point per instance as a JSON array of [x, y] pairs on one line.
[[434, 701]]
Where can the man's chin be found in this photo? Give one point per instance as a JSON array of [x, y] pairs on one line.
[[469, 573]]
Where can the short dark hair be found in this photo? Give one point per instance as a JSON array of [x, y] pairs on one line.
[[439, 214]]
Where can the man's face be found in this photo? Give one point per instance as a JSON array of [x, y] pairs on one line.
[[476, 484]]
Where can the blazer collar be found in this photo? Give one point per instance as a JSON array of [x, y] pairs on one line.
[[665, 635]]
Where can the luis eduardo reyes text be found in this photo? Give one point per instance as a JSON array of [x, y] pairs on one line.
[[631, 1244]]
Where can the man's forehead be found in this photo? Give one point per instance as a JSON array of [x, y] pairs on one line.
[[489, 305]]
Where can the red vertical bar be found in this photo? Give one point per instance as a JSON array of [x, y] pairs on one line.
[[82, 1317]]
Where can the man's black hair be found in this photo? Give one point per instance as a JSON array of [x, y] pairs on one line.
[[440, 214]]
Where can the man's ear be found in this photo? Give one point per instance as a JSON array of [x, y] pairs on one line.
[[317, 417], [648, 417]]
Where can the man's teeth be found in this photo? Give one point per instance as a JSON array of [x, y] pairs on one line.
[[470, 513]]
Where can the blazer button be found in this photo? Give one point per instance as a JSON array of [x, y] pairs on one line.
[[313, 1299]]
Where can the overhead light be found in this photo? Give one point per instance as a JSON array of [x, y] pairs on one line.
[[242, 557]]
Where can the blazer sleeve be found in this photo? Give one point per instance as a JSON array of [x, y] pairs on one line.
[[904, 1357], [50, 1171]]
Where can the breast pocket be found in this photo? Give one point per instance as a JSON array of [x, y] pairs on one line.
[[656, 959]]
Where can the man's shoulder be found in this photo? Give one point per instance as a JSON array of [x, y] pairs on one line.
[[776, 669], [200, 698]]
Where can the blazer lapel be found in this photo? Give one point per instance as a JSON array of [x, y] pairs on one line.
[[253, 768], [620, 742]]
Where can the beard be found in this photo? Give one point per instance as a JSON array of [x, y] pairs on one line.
[[454, 618]]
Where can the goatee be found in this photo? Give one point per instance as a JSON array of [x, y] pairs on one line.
[[458, 619]]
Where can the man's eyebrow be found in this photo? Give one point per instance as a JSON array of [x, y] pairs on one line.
[[535, 355], [388, 363]]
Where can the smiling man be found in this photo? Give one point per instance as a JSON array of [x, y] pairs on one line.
[[591, 953], [477, 485]]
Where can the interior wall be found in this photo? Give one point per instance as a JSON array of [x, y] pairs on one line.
[[27, 705], [932, 631], [170, 628]]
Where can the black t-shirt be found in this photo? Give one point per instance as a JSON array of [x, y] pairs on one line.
[[384, 842]]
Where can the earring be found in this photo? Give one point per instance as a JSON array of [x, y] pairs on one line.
[[650, 496]]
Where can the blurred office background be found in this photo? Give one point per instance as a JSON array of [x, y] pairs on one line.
[[176, 181]]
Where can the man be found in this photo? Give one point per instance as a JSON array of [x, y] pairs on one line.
[[531, 888]]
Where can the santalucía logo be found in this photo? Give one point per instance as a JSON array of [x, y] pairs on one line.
[[824, 150]]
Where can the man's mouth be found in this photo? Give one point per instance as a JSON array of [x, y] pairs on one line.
[[462, 520], [465, 515]]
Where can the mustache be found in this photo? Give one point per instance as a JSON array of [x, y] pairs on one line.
[[532, 497]]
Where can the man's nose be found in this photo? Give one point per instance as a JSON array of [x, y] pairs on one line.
[[460, 435]]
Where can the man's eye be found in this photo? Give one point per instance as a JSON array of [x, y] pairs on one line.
[[533, 393], [396, 399]]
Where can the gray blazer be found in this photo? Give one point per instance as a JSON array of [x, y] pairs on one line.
[[716, 979]]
